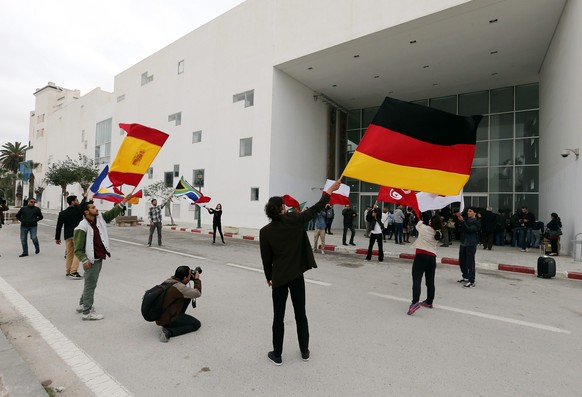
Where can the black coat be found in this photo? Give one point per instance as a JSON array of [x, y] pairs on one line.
[[285, 248], [29, 216], [69, 218]]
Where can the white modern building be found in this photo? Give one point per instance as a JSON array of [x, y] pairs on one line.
[[272, 97]]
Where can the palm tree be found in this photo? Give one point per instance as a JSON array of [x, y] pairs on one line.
[[31, 179], [11, 155]]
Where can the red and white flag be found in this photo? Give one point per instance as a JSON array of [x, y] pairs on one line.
[[429, 201], [291, 202], [340, 196], [399, 196]]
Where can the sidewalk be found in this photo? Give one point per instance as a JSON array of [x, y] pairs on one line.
[[501, 258], [16, 378]]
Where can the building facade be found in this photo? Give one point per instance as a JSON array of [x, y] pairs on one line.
[[269, 99]]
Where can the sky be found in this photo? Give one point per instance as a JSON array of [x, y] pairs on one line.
[[83, 44]]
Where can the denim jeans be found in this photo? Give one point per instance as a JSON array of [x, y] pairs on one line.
[[398, 233], [24, 230]]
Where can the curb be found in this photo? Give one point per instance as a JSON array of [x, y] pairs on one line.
[[363, 251]]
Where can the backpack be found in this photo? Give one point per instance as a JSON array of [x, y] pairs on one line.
[[152, 304]]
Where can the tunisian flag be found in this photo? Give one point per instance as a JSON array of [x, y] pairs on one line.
[[399, 196], [413, 147], [136, 153]]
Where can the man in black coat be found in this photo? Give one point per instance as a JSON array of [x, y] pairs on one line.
[[70, 218], [349, 214], [29, 215], [488, 224]]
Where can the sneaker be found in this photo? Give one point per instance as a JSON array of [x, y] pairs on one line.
[[424, 304], [149, 245], [524, 250], [92, 316], [463, 280], [22, 255], [75, 276], [37, 251], [469, 285], [413, 307], [305, 355], [68, 275], [164, 337], [275, 359], [344, 244], [322, 252]]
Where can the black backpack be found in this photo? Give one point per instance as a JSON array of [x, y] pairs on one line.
[[152, 304]]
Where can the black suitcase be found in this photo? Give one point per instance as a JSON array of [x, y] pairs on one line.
[[546, 267]]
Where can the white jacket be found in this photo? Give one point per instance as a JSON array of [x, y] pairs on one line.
[[425, 240]]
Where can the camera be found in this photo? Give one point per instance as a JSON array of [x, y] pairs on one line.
[[565, 153], [197, 270]]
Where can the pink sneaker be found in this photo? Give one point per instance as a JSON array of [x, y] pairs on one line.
[[424, 304], [413, 307]]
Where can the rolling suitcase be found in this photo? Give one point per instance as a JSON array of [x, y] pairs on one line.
[[546, 267]]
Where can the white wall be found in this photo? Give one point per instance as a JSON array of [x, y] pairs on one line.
[[560, 127]]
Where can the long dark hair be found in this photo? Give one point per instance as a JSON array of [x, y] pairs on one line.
[[557, 218], [273, 207]]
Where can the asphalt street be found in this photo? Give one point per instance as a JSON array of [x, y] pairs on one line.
[[513, 335]]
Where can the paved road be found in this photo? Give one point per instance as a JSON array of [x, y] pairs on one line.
[[513, 335]]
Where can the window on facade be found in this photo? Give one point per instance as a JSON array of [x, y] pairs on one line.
[[176, 170], [150, 172], [197, 136], [169, 179], [254, 194], [176, 117], [198, 177], [40, 132], [246, 147], [40, 118], [181, 67], [121, 97], [248, 97], [103, 141], [146, 79]]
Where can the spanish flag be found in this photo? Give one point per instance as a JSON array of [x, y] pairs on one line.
[[136, 153], [413, 147]]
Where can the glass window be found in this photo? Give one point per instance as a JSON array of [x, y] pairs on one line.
[[526, 96], [169, 179], [501, 179], [501, 153], [502, 100], [103, 141], [474, 103], [198, 177], [483, 129], [446, 104], [248, 97], [481, 154], [181, 67], [354, 119], [370, 187], [246, 147], [528, 200], [254, 194], [146, 79], [477, 181], [527, 124], [502, 126], [197, 136], [368, 116], [176, 117], [501, 201], [527, 151], [526, 179], [354, 184], [353, 140], [422, 102], [176, 170], [150, 172]]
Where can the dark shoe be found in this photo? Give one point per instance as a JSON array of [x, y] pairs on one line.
[[305, 355], [164, 335], [413, 307], [149, 244], [444, 245], [469, 285], [159, 244], [37, 251], [424, 304], [344, 243], [75, 276], [352, 244], [21, 255], [275, 359], [463, 280]]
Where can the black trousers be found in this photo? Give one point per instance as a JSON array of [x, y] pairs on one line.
[[214, 227], [328, 223], [297, 290], [376, 237], [351, 228], [423, 265], [183, 324]]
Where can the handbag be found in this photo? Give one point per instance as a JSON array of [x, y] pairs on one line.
[[555, 233]]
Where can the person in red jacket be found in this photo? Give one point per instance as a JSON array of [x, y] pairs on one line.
[[286, 255]]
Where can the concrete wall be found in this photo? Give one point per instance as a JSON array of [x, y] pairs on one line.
[[560, 127]]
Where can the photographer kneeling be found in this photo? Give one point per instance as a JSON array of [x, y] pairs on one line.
[[174, 320]]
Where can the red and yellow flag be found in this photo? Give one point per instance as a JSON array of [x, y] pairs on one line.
[[136, 153], [413, 147]]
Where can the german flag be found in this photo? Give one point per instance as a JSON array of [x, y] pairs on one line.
[[413, 147], [136, 153]]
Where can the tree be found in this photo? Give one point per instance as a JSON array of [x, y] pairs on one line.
[[31, 179], [87, 172], [159, 190], [11, 155], [62, 173]]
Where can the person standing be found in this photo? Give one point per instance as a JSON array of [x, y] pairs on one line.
[[500, 226], [155, 215], [398, 225], [526, 221], [425, 261], [3, 207], [349, 214], [368, 209], [92, 248], [216, 222], [469, 229], [319, 231], [286, 255], [554, 232], [329, 215], [70, 218], [376, 233], [29, 216], [174, 320], [489, 222]]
